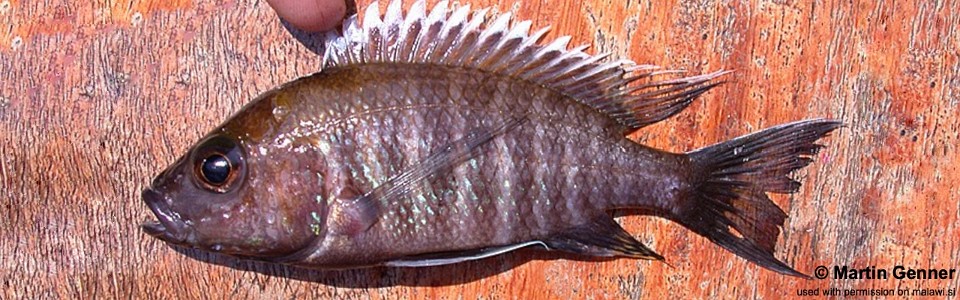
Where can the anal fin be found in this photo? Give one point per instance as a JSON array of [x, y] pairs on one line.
[[601, 237], [446, 258]]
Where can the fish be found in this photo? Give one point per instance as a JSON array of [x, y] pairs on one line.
[[434, 137]]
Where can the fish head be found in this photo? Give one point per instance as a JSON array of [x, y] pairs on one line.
[[223, 197]]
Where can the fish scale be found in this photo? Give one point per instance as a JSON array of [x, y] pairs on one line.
[[502, 216], [435, 138]]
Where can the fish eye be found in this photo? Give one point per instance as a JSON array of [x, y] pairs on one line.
[[215, 169], [218, 164]]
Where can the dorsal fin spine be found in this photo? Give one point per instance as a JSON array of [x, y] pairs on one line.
[[468, 36], [495, 32], [450, 33], [493, 60], [565, 61], [574, 68], [523, 52], [542, 58], [411, 28]]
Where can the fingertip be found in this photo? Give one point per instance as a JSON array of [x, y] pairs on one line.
[[310, 15]]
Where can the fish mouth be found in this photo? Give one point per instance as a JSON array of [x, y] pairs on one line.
[[168, 226]]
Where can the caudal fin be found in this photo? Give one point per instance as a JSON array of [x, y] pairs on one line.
[[735, 177]]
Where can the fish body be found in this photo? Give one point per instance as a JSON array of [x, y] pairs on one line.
[[522, 186], [442, 141]]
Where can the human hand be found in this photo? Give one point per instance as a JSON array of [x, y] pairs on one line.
[[310, 15]]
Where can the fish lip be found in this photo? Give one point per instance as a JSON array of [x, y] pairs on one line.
[[168, 226]]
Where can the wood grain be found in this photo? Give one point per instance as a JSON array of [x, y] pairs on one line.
[[96, 98]]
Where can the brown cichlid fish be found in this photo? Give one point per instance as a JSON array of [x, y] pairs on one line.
[[436, 138]]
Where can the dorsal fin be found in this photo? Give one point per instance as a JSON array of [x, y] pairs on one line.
[[634, 95]]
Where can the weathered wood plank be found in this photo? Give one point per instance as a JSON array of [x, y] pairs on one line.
[[96, 98]]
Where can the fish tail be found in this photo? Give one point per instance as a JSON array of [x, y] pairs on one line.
[[729, 204]]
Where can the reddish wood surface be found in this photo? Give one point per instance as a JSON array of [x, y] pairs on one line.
[[96, 98]]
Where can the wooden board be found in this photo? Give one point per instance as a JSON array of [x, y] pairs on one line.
[[96, 98]]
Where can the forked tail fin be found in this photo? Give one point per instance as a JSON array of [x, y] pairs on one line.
[[730, 206]]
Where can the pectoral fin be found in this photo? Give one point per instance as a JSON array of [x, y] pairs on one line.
[[357, 214], [602, 237]]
